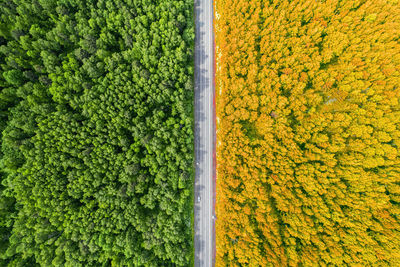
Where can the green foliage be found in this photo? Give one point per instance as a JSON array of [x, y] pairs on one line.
[[97, 141], [13, 77]]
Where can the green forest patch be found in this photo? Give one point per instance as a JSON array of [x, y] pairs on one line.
[[96, 107]]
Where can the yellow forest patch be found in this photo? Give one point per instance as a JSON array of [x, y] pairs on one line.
[[308, 133]]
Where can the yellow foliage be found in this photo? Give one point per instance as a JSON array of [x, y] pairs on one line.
[[308, 166]]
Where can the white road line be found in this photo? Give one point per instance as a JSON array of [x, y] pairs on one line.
[[204, 63]]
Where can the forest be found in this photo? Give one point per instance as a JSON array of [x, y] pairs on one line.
[[96, 106], [308, 133]]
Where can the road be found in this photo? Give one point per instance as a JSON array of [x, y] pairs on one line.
[[204, 240]]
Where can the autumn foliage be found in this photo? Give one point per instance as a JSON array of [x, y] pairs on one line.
[[308, 133]]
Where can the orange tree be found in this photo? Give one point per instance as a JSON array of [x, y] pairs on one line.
[[308, 130]]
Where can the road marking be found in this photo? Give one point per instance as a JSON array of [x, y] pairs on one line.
[[204, 136]]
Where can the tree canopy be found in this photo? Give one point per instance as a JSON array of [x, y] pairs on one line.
[[308, 133], [96, 107]]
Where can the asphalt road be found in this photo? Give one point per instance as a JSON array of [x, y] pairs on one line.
[[204, 240]]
